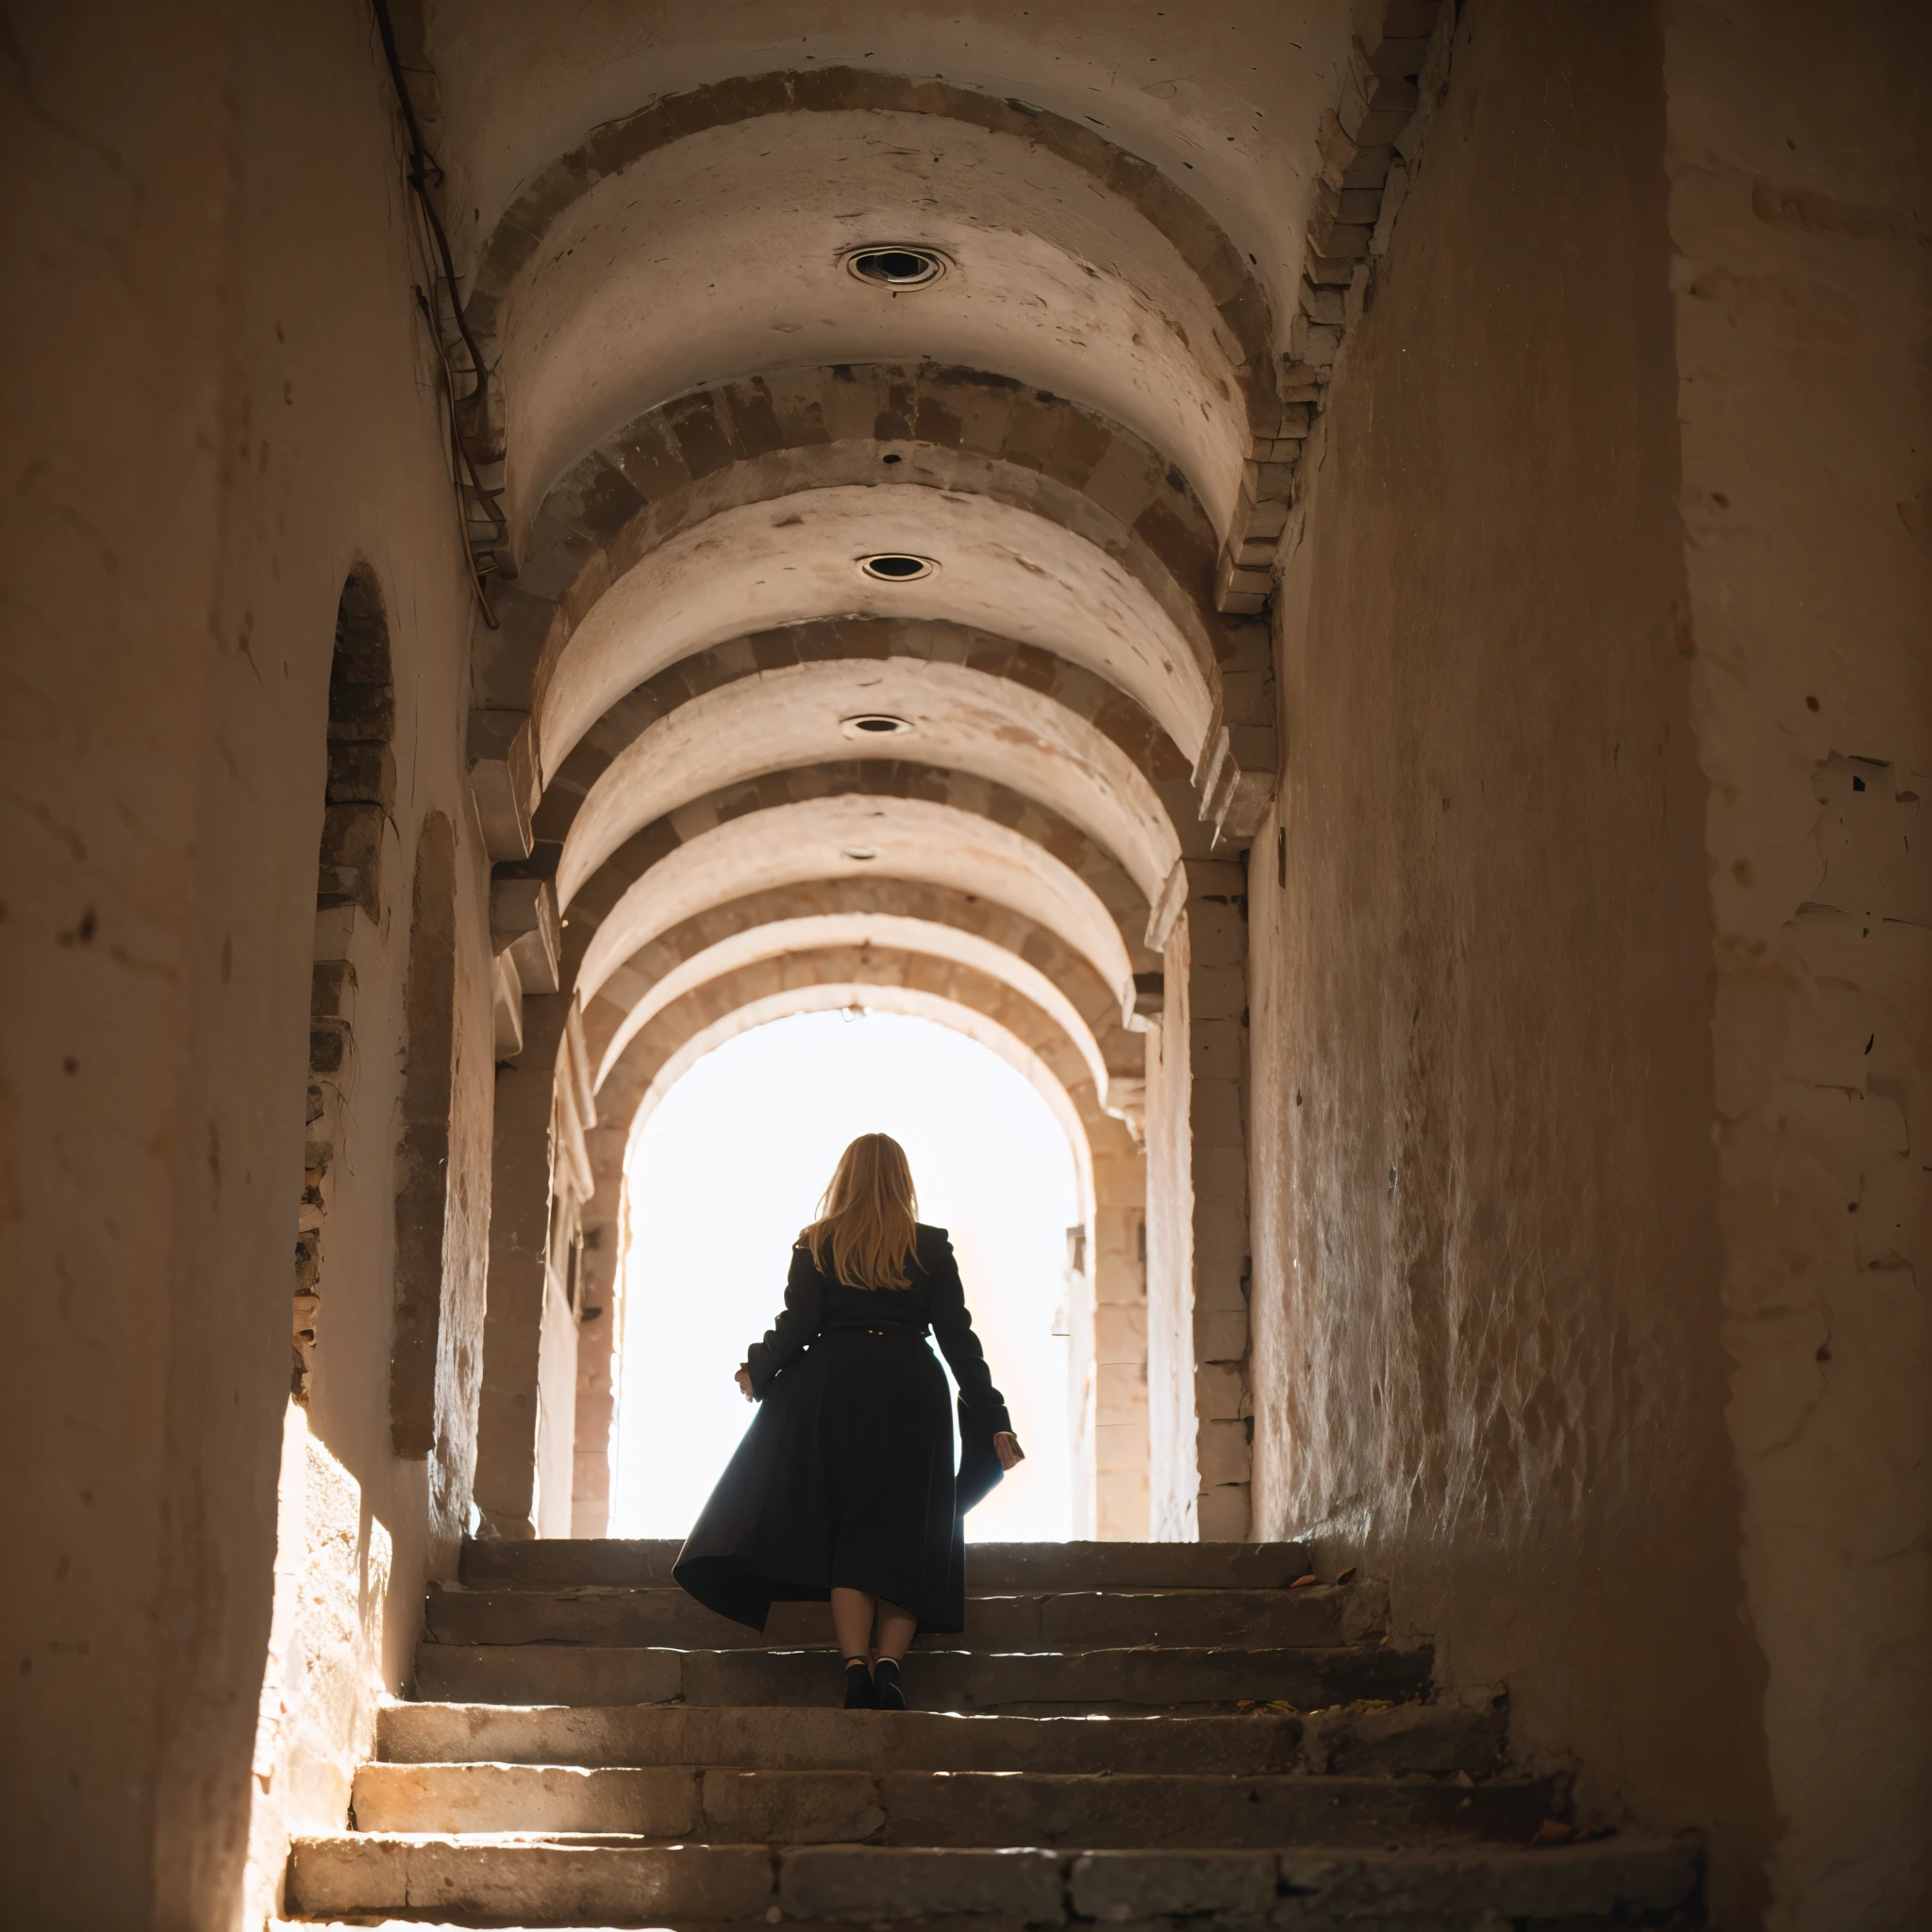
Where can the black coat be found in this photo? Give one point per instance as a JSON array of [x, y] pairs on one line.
[[845, 1475]]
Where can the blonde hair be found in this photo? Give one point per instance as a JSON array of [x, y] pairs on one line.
[[867, 1218]]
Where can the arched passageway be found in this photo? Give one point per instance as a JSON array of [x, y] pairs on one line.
[[1339, 583], [920, 656]]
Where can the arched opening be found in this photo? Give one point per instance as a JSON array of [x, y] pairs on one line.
[[729, 1165], [360, 799], [422, 1147]]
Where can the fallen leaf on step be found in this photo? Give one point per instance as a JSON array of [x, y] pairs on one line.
[[1553, 1831], [1303, 1582], [1348, 1575]]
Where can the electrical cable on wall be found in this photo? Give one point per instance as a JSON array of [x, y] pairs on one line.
[[422, 175]]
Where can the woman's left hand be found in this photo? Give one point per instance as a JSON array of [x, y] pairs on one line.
[[1005, 1445], [743, 1380]]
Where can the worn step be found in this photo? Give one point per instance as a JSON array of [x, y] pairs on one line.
[[1454, 1733], [1068, 1620], [1044, 1682], [721, 1805], [538, 1883], [607, 1562]]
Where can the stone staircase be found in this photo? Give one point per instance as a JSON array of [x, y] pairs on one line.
[[1151, 1733]]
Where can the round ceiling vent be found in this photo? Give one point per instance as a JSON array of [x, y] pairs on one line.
[[896, 265], [897, 567], [873, 724]]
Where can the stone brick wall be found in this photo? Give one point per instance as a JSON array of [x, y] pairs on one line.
[[225, 406], [1486, 1348]]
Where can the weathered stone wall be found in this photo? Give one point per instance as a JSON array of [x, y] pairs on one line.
[[220, 404], [1488, 1358], [1800, 220]]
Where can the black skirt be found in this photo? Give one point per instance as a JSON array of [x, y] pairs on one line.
[[844, 1477]]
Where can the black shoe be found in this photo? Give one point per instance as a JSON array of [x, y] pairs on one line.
[[860, 1693], [886, 1693]]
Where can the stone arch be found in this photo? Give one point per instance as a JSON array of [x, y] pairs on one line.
[[958, 720], [883, 933], [359, 799], [1002, 567], [1075, 194], [916, 841], [770, 434], [961, 807], [636, 1071], [1122, 1049], [953, 431], [1081, 692], [1112, 1465]]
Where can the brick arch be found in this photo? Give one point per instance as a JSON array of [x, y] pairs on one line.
[[770, 433], [660, 1051], [960, 432], [1109, 1306], [1122, 1088], [1084, 693], [1122, 1050], [961, 722], [969, 798], [520, 238], [806, 843]]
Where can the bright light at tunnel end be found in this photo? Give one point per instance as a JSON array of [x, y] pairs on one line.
[[728, 1169]]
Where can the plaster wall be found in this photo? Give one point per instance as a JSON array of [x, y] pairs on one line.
[[207, 277], [1800, 219], [1488, 1347]]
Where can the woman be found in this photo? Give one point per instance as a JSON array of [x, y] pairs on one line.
[[843, 1487]]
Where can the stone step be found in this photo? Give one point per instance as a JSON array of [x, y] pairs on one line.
[[1069, 1683], [1068, 1620], [597, 1562], [1451, 1734], [718, 1805], [538, 1883]]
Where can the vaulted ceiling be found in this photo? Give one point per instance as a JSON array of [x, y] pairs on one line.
[[1032, 303]]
